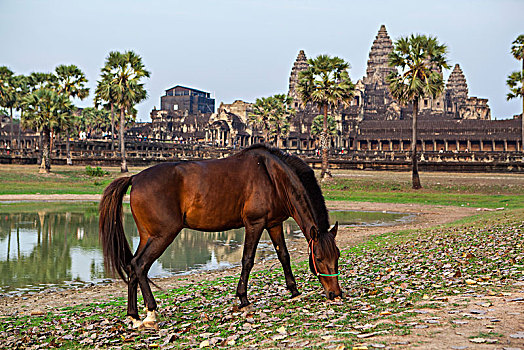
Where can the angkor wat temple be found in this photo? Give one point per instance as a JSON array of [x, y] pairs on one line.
[[373, 120], [454, 128]]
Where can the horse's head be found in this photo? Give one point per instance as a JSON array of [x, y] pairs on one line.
[[323, 260]]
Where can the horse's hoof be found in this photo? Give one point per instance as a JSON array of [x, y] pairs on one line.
[[136, 324], [151, 325], [150, 320]]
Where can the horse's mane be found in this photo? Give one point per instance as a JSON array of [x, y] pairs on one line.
[[308, 180]]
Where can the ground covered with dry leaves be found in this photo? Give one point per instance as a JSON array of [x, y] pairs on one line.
[[453, 287]]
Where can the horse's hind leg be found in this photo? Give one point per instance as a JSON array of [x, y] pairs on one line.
[[132, 309], [277, 237], [253, 233], [141, 264]]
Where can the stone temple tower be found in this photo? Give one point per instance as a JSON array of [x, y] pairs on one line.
[[459, 104], [377, 97], [456, 90], [299, 66], [378, 63]]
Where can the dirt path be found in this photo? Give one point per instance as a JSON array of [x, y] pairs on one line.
[[427, 216]]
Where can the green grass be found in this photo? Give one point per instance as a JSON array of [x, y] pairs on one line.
[[388, 187], [57, 207], [28, 181], [433, 198]]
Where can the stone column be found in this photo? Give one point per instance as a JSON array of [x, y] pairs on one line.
[[505, 145], [469, 145], [434, 145], [446, 146], [493, 145]]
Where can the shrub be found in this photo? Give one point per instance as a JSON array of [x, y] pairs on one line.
[[98, 172]]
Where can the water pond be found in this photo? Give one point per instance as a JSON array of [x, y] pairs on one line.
[[54, 245]]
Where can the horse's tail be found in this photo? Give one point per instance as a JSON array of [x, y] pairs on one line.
[[117, 254]]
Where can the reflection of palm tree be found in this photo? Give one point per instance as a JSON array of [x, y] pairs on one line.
[[54, 228], [192, 248]]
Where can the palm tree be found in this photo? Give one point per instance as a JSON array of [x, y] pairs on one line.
[[272, 115], [105, 91], [262, 111], [279, 121], [318, 123], [37, 80], [326, 83], [419, 60], [22, 90], [70, 81], [94, 119], [516, 78], [45, 108], [8, 94], [125, 70]]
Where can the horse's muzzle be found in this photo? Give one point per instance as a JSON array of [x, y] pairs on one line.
[[332, 295]]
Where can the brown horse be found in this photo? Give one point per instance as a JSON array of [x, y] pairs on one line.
[[257, 188]]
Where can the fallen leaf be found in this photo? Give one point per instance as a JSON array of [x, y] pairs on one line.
[[282, 330], [478, 340]]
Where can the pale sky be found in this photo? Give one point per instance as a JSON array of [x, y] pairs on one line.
[[244, 49]]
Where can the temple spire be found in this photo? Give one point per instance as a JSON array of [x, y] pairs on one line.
[[299, 66], [378, 63], [457, 84]]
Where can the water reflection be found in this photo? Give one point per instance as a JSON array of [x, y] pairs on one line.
[[47, 248], [54, 245]]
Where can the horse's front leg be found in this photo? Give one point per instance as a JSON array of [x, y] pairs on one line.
[[277, 237], [253, 233]]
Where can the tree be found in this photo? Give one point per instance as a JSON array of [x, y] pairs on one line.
[[326, 83], [45, 109], [516, 78], [8, 94], [70, 81], [21, 84], [261, 113], [94, 119], [125, 71], [419, 60], [38, 80], [318, 123], [105, 91], [272, 115], [279, 120]]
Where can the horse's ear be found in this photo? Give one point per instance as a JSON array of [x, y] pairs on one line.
[[314, 233], [334, 230]]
